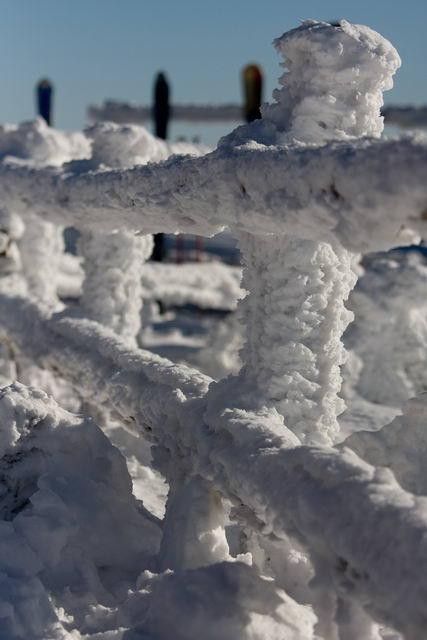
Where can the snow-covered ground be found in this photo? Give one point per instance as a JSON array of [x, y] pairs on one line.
[[190, 453]]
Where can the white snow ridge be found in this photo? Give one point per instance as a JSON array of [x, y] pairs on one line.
[[141, 499]]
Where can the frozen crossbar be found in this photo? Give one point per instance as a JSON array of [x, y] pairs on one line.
[[309, 192]]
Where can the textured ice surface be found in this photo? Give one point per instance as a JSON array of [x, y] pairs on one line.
[[333, 84], [302, 195], [38, 144], [128, 145]]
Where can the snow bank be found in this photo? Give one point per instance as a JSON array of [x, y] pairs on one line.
[[65, 493], [210, 285], [246, 606]]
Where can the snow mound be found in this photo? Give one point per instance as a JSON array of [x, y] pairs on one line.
[[246, 606], [64, 495], [37, 144], [124, 146]]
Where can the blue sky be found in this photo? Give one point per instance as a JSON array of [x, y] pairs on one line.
[[97, 49]]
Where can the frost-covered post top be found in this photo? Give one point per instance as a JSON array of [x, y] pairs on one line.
[[295, 312], [333, 83]]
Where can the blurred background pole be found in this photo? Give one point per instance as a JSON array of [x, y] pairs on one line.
[[161, 106], [44, 96], [252, 90], [161, 114]]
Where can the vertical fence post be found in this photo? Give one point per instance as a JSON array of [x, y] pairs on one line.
[[161, 107], [42, 243], [294, 314], [111, 292], [252, 89], [161, 114], [44, 95], [42, 246]]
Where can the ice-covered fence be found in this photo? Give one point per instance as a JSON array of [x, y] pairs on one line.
[[303, 196], [356, 519]]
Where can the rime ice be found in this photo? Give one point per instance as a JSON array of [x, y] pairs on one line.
[[270, 530], [333, 83]]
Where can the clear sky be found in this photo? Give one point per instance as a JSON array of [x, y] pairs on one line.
[[98, 49]]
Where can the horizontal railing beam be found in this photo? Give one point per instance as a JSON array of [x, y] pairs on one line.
[[365, 194], [101, 366]]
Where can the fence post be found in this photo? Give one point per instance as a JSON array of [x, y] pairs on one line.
[[42, 243], [161, 114], [41, 247], [295, 313], [112, 290], [44, 91], [252, 90], [161, 106]]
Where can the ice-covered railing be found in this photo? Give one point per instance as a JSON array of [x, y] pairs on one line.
[[121, 112], [304, 190], [405, 116]]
